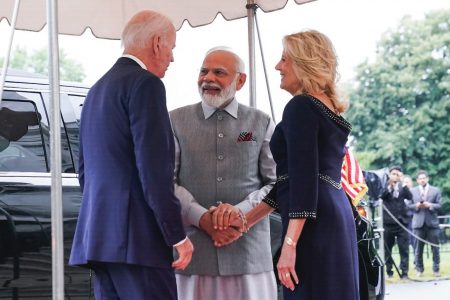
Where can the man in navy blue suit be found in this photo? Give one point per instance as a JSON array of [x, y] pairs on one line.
[[130, 219]]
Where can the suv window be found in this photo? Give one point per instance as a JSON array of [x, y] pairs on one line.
[[21, 147], [67, 160], [77, 104], [71, 111]]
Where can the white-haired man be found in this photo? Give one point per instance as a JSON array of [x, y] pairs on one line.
[[130, 219], [223, 159]]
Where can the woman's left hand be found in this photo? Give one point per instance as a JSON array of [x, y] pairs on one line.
[[286, 267]]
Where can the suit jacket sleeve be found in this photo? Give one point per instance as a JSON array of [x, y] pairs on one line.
[[414, 199], [436, 202], [301, 131], [154, 150], [407, 193], [386, 195]]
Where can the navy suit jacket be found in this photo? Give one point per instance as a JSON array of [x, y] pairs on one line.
[[129, 213]]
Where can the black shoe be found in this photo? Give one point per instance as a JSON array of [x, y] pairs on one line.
[[404, 276], [390, 274]]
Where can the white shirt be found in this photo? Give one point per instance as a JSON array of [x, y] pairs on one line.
[[423, 192], [137, 60]]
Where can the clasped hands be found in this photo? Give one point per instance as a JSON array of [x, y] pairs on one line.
[[424, 204], [224, 223]]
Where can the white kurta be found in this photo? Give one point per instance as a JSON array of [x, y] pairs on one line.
[[251, 286], [259, 286]]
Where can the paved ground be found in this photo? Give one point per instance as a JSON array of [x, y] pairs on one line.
[[413, 290]]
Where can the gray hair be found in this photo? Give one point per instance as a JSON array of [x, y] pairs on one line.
[[240, 66], [143, 26]]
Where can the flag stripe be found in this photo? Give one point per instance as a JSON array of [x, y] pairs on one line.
[[352, 178]]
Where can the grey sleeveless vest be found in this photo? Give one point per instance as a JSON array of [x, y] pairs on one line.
[[219, 162]]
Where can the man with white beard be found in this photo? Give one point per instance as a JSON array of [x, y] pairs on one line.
[[223, 160]]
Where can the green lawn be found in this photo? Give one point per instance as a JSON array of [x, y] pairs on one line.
[[427, 261]]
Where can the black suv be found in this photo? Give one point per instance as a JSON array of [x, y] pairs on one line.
[[25, 221]]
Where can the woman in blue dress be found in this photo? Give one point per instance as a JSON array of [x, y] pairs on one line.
[[319, 258]]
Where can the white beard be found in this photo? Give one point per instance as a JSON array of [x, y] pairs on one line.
[[218, 101]]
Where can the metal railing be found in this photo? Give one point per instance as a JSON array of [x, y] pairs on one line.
[[378, 220]]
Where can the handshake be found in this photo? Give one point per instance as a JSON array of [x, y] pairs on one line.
[[224, 223]]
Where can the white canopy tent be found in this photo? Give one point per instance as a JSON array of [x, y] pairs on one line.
[[106, 19]]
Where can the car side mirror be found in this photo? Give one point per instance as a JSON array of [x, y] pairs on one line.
[[14, 124]]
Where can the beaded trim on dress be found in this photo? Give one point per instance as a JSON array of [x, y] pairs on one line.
[[330, 180], [329, 113], [303, 214], [272, 203], [282, 178]]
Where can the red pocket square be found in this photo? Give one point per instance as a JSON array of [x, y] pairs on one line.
[[246, 136]]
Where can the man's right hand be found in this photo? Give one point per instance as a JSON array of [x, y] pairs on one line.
[[185, 251], [223, 215], [220, 237]]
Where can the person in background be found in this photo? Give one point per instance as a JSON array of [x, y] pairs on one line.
[[319, 256], [408, 182], [223, 160], [396, 220], [130, 219], [426, 204]]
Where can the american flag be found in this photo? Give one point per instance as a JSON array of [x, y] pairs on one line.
[[352, 178]]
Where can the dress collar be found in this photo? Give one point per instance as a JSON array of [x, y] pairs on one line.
[[338, 119]]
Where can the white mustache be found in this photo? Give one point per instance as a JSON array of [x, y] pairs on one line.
[[205, 85]]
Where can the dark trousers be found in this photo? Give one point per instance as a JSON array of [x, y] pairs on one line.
[[431, 235], [412, 239], [391, 233], [116, 281]]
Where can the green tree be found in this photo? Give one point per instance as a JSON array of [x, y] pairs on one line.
[[37, 62], [400, 105]]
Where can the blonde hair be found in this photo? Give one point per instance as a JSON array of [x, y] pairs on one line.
[[314, 62]]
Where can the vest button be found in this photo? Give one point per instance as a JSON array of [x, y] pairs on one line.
[[220, 135], [220, 117], [219, 179], [220, 157]]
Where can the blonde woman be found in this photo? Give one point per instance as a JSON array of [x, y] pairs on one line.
[[319, 258]]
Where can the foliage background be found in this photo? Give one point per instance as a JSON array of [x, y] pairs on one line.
[[36, 61], [400, 102]]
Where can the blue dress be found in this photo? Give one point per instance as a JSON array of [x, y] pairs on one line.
[[308, 146]]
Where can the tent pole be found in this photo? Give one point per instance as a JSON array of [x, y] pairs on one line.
[[265, 69], [8, 50], [251, 7], [55, 153]]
